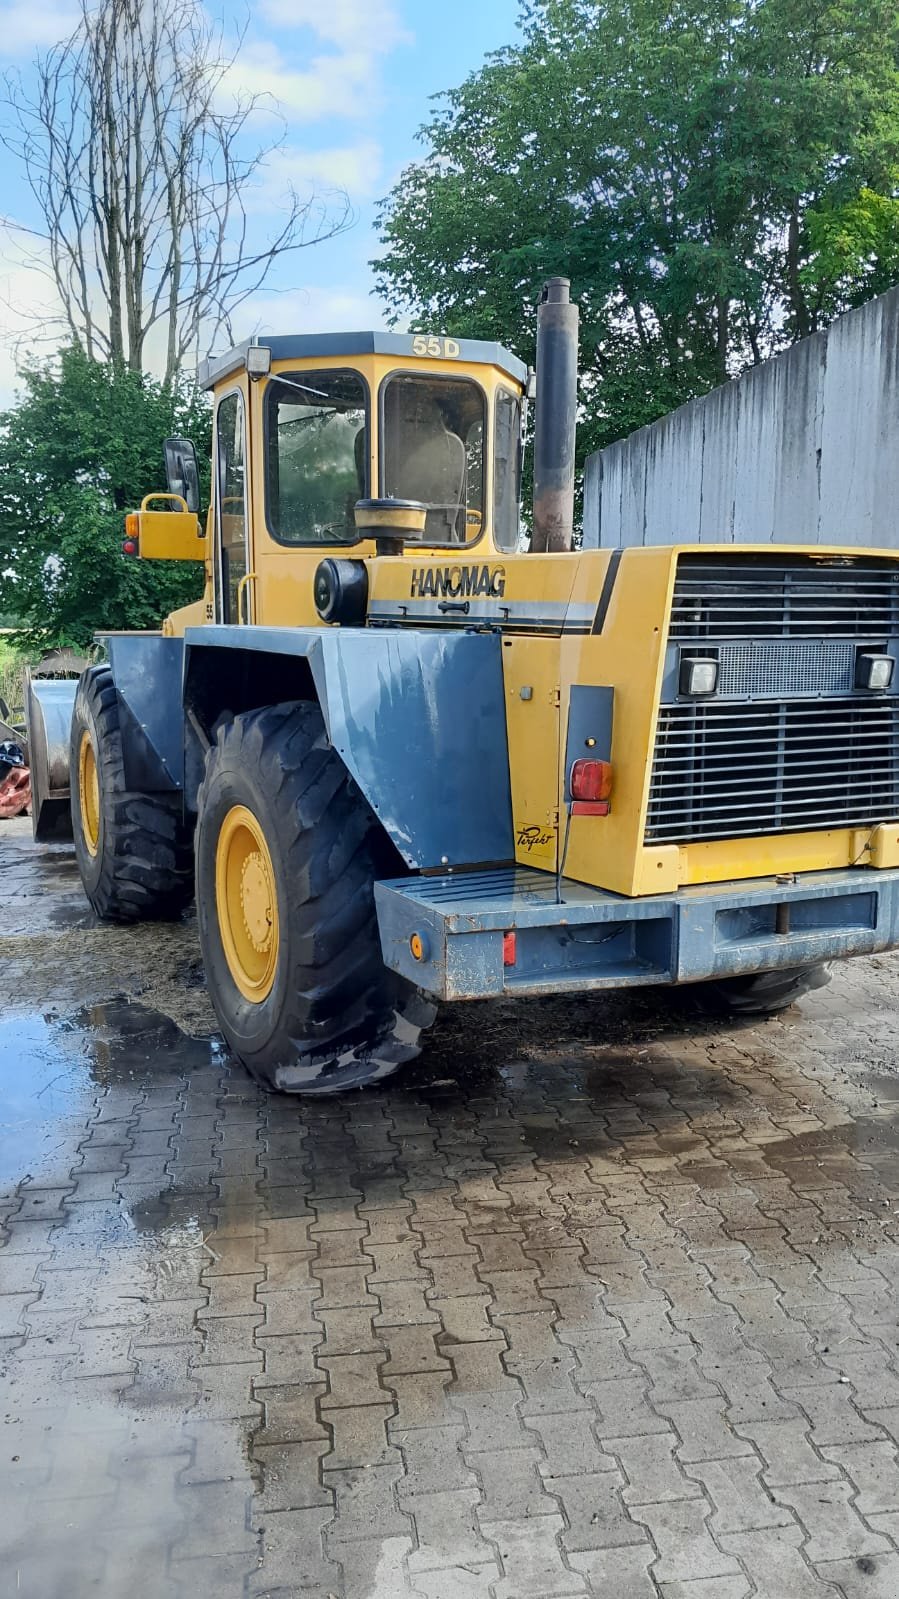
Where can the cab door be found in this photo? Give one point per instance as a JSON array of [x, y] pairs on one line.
[[233, 600]]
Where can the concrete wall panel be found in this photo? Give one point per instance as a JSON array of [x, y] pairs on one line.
[[804, 449]]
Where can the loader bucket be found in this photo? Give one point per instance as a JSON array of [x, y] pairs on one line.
[[48, 716]]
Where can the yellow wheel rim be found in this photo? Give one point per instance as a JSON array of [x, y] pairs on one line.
[[89, 793], [246, 902]]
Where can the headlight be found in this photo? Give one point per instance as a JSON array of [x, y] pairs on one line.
[[698, 676]]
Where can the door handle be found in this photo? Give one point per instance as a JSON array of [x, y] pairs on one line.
[[243, 588]]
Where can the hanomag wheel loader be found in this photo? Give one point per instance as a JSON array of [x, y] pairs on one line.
[[399, 761]]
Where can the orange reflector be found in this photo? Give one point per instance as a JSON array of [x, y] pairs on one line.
[[510, 950], [417, 946], [132, 525], [590, 780]]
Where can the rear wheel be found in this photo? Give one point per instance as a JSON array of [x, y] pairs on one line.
[[133, 850], [287, 853], [762, 993]]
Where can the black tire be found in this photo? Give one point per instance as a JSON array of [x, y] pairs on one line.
[[335, 1017], [762, 993], [142, 867]]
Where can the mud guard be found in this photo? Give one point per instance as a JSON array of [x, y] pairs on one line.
[[418, 718], [147, 670]]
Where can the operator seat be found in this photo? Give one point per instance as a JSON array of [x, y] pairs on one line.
[[431, 465]]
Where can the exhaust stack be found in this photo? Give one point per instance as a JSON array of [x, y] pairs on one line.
[[555, 418]]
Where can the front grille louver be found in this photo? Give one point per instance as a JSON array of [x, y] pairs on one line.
[[775, 757], [770, 599]]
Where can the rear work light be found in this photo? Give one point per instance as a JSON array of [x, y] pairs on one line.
[[873, 671], [590, 783], [698, 676]]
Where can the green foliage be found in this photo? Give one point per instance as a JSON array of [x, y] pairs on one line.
[[854, 250], [717, 178], [81, 449]]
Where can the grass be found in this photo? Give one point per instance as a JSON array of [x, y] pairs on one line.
[[12, 667]]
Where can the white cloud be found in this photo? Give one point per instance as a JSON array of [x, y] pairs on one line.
[[339, 309], [338, 85], [30, 314], [355, 168], [370, 25], [343, 81], [26, 27]]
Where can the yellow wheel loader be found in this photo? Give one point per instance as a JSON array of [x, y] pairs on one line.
[[399, 760]]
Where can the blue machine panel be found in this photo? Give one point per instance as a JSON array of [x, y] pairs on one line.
[[590, 939], [147, 669], [419, 719]]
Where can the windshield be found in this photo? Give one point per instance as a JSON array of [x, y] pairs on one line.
[[433, 451], [316, 456]]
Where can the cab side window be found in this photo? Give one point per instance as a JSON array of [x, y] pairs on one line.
[[231, 516]]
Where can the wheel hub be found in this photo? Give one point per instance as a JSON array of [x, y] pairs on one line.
[[89, 793], [255, 895], [247, 903]]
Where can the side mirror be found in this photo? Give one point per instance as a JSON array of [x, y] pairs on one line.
[[181, 472]]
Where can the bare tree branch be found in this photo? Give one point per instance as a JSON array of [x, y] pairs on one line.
[[143, 166]]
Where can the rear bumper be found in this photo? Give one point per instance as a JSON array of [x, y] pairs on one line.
[[597, 940]]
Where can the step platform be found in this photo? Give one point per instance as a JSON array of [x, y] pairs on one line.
[[473, 935]]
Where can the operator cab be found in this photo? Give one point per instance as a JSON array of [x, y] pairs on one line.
[[306, 427]]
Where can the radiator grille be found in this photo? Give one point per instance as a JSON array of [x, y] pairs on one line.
[[775, 599], [730, 771], [802, 750]]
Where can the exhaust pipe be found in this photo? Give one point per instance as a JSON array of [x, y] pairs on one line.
[[555, 418]]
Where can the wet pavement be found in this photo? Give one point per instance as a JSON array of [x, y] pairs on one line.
[[596, 1300]]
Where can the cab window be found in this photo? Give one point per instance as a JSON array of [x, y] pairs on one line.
[[432, 432], [506, 470], [316, 455], [230, 498]]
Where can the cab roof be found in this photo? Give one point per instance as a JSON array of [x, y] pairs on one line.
[[303, 346]]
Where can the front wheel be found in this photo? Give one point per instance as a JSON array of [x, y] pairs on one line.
[[287, 854], [761, 993]]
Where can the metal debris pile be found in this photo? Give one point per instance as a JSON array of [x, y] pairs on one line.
[[15, 781]]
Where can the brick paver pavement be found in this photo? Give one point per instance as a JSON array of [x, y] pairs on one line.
[[597, 1300]]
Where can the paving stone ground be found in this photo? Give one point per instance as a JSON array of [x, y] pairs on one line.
[[597, 1300]]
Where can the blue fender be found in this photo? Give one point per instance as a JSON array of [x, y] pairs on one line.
[[418, 718], [147, 672]]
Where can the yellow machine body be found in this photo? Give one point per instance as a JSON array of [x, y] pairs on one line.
[[580, 619]]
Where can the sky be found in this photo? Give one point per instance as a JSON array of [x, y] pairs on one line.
[[354, 80]]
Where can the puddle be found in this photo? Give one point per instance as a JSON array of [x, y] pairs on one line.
[[79, 914], [126, 1042], [43, 1084], [52, 1068]]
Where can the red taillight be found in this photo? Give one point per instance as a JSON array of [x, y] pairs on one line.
[[510, 949], [129, 547], [591, 780]]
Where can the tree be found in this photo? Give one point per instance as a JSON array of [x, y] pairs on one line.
[[681, 161], [142, 163], [81, 449]]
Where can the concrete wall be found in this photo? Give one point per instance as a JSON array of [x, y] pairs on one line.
[[804, 449]]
